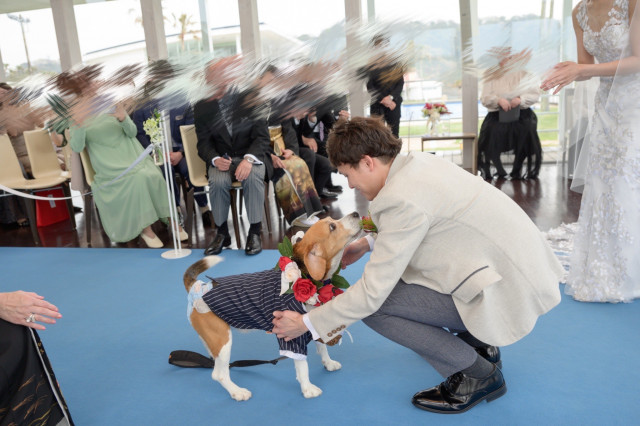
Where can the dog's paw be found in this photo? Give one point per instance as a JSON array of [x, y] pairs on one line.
[[311, 391], [240, 394], [332, 365]]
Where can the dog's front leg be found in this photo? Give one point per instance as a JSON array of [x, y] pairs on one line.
[[328, 363], [309, 390]]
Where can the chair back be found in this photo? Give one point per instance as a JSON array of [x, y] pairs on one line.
[[89, 173], [42, 156], [197, 167], [10, 170]]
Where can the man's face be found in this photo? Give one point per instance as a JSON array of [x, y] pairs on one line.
[[365, 178]]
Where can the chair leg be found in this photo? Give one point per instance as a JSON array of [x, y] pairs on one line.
[[31, 214], [188, 222], [88, 207], [67, 193], [234, 215]]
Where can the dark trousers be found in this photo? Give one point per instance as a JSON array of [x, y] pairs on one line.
[[392, 118], [319, 167]]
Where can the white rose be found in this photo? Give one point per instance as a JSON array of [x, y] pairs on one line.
[[312, 300], [290, 275]]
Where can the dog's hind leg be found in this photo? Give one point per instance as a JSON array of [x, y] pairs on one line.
[[309, 390], [216, 335], [328, 363]]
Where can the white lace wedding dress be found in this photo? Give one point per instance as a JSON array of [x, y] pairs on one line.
[[605, 261]]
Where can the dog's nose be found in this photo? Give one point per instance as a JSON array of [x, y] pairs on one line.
[[356, 215]]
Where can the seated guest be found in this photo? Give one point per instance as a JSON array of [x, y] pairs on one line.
[[234, 146], [510, 125], [178, 116], [314, 133], [29, 391], [292, 180], [128, 206]]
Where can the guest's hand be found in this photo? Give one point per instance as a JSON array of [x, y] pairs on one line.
[[288, 325], [562, 74], [310, 143], [19, 306], [354, 251], [222, 164], [121, 112], [175, 157], [343, 115], [277, 162], [287, 153], [391, 105], [515, 102], [504, 104], [243, 170]]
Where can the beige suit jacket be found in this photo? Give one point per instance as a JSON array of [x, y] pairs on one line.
[[445, 229]]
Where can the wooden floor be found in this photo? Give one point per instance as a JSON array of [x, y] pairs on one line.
[[547, 200]]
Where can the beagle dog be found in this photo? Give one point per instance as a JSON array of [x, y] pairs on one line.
[[247, 301]]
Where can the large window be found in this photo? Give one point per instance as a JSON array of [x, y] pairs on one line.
[[28, 44]]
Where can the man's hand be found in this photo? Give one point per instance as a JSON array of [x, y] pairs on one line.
[[277, 162], [287, 153], [243, 170], [343, 115], [222, 164], [175, 157], [288, 325], [310, 143], [354, 251]]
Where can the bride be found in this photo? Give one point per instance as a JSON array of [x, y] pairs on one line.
[[605, 262]]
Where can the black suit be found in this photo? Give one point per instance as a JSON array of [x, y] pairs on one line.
[[248, 136], [319, 165], [383, 81]]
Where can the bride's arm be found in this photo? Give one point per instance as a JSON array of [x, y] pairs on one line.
[[565, 73]]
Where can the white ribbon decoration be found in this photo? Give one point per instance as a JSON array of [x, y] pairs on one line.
[[120, 176]]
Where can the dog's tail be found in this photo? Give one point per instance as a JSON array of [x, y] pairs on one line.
[[192, 272]]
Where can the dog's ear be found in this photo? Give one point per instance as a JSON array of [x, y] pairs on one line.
[[315, 262]]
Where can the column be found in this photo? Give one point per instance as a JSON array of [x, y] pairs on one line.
[[64, 21], [249, 28], [353, 22], [153, 24], [469, 30]]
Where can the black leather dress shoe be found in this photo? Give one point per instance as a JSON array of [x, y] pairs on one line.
[[334, 188], [491, 354], [325, 193], [460, 392], [219, 241], [254, 244]]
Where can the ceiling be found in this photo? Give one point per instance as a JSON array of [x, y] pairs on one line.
[[14, 6]]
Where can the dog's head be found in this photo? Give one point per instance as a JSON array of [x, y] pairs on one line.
[[320, 250]]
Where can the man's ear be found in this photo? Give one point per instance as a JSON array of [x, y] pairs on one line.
[[315, 262]]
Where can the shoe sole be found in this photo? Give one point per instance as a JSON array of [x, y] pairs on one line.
[[489, 397]]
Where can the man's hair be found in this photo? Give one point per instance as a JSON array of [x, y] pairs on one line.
[[350, 140]]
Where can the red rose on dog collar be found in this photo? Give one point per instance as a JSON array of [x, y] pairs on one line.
[[303, 289], [283, 261], [326, 293]]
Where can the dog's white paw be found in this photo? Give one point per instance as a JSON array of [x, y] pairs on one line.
[[311, 391], [241, 394], [332, 365]]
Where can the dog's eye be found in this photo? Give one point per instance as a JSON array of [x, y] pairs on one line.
[[332, 227]]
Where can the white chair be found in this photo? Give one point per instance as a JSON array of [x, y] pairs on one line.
[[11, 176]]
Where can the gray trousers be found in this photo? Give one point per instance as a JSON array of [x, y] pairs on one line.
[[252, 187], [416, 317]]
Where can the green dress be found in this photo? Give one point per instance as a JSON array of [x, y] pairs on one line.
[[136, 200]]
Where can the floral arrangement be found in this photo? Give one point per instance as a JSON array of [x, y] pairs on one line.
[[367, 224], [304, 288], [437, 109], [152, 126]]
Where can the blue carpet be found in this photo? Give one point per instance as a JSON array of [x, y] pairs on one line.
[[124, 311]]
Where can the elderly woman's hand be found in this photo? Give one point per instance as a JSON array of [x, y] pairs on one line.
[[27, 308]]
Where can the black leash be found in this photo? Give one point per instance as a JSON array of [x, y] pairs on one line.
[[189, 359]]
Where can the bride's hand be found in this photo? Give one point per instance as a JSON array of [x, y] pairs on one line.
[[562, 74]]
